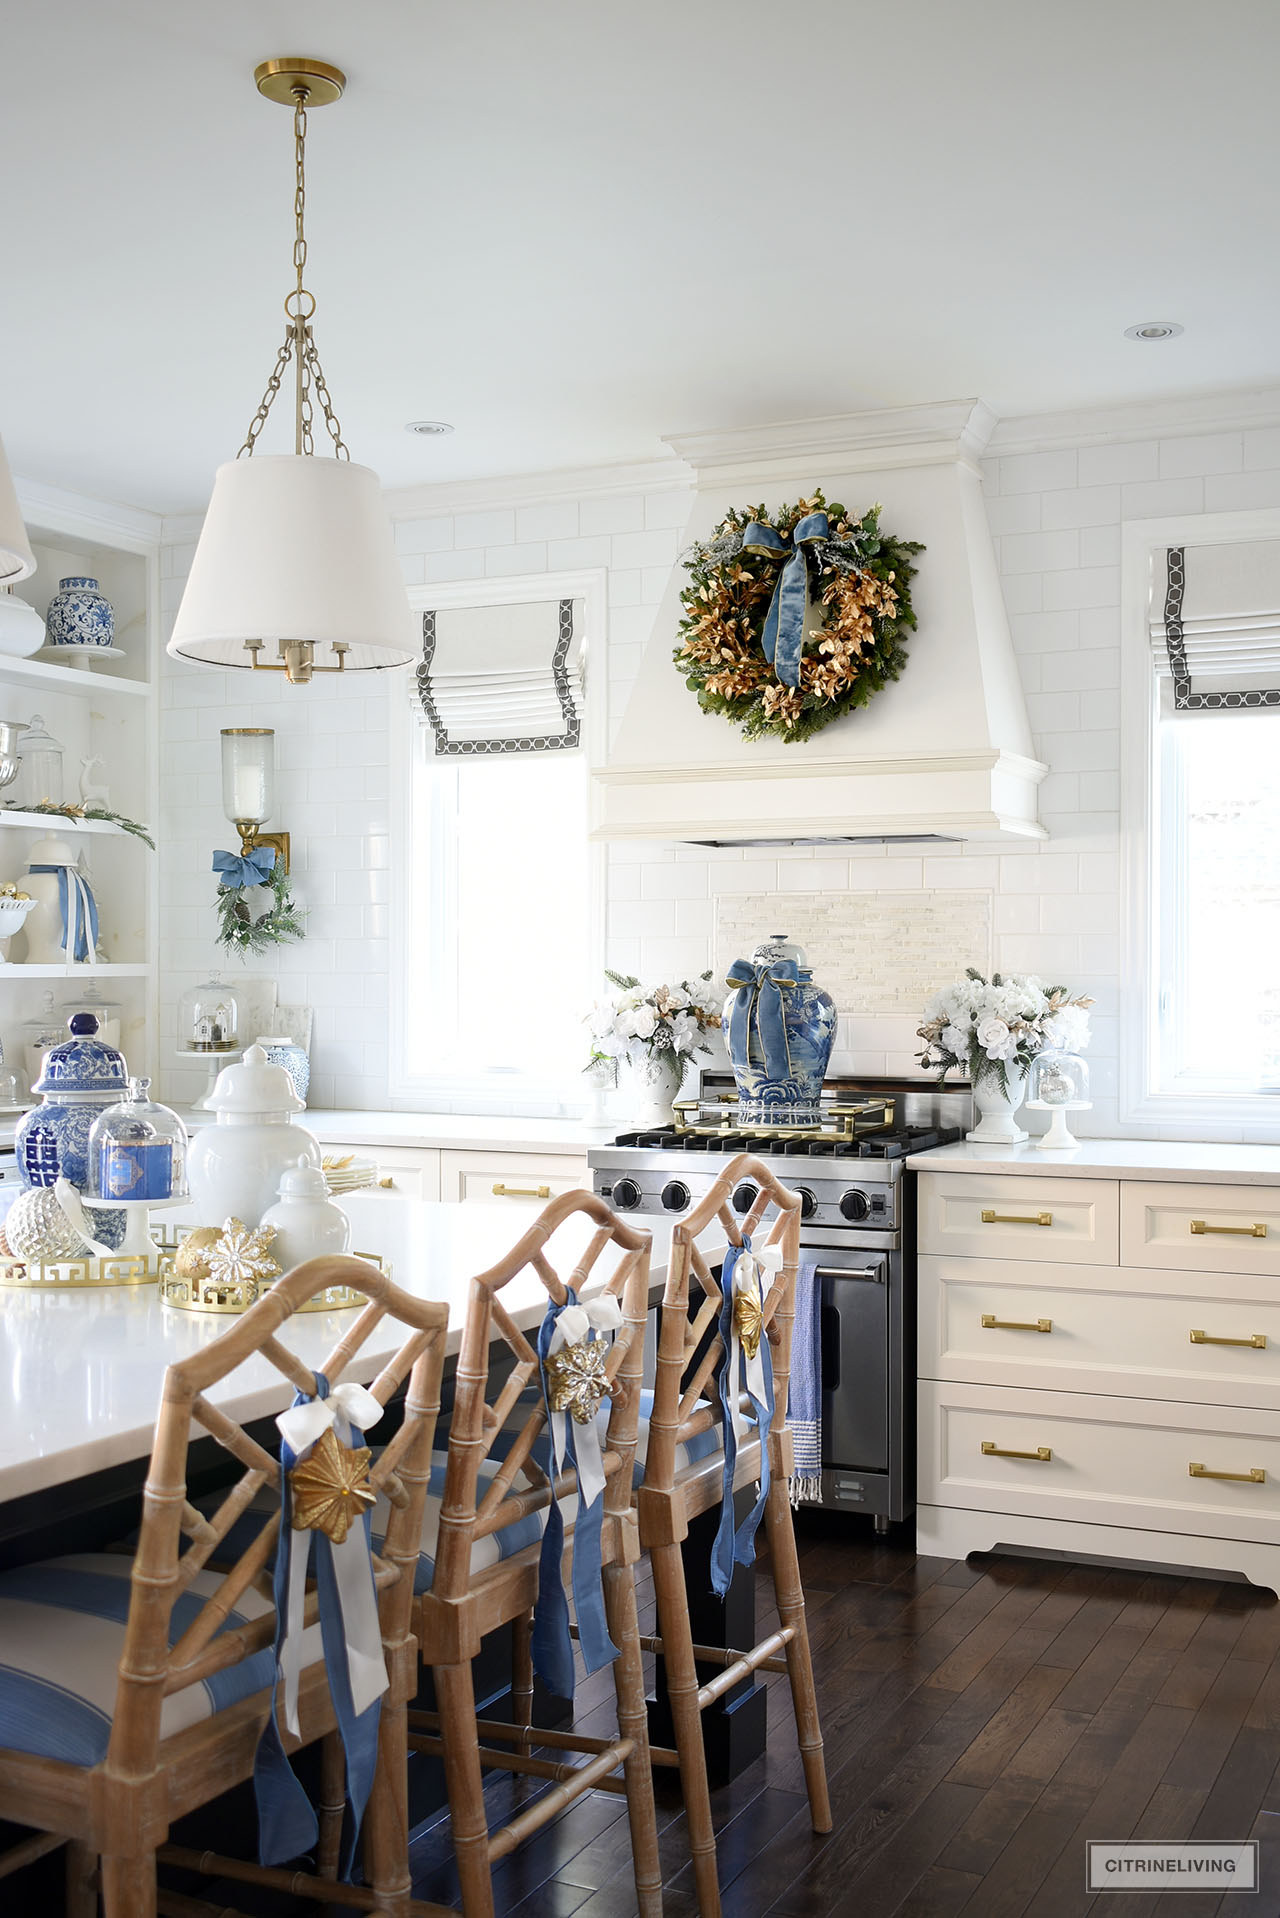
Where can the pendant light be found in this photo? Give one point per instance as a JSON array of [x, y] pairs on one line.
[[17, 561], [295, 570]]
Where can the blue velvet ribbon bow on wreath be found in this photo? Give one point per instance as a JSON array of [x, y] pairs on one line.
[[783, 635], [254, 868]]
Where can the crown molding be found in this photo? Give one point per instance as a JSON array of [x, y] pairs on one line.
[[1181, 415], [532, 489], [51, 509], [887, 436]]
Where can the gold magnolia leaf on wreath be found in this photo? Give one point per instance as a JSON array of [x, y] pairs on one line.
[[576, 1379], [330, 1487], [748, 1320]]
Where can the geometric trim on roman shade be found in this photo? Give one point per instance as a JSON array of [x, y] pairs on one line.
[[502, 678], [1219, 637]]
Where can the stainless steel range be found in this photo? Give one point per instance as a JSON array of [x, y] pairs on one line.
[[846, 1160]]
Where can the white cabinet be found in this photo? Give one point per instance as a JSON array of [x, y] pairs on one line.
[[1115, 1393], [411, 1171], [523, 1180]]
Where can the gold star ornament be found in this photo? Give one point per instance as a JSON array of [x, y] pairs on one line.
[[330, 1487], [576, 1379], [748, 1320]]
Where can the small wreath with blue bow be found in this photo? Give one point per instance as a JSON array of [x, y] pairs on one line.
[[256, 909], [795, 617]]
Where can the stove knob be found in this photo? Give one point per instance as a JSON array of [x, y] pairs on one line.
[[855, 1205], [626, 1195], [808, 1202], [675, 1195], [745, 1196]]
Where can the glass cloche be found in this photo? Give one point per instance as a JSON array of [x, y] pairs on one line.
[[209, 1017], [138, 1150], [1058, 1084]]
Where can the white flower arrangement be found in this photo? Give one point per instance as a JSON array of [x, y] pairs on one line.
[[984, 1026], [667, 1022]]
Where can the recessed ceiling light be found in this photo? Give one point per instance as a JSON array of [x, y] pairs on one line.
[[1153, 330], [443, 426]]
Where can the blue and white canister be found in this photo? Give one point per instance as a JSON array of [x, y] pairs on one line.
[[281, 1050], [79, 614], [80, 1078], [778, 1026]]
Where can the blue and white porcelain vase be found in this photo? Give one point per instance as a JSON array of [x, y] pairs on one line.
[[286, 1052], [779, 1027], [79, 615], [78, 1080]]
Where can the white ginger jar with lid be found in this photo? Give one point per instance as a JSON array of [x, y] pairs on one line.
[[235, 1165], [307, 1223]]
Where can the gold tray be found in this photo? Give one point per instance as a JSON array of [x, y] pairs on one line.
[[74, 1275], [212, 1295]]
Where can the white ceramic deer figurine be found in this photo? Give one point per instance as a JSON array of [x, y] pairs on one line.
[[90, 793]]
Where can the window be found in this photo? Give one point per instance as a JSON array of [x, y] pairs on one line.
[[497, 943], [1202, 816]]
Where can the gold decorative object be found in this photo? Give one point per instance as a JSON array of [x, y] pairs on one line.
[[576, 1379], [748, 1320], [186, 1281], [67, 1275], [330, 1487], [242, 1257], [191, 1260]]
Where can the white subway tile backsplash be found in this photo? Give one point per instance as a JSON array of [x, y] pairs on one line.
[[1038, 472], [620, 514], [1085, 586], [1114, 465], [1205, 453], [1082, 506], [1039, 552], [496, 528], [500, 561], [667, 509], [549, 519], [1147, 499]]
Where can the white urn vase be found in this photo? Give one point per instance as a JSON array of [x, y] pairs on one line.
[[234, 1167], [655, 1084], [998, 1106]]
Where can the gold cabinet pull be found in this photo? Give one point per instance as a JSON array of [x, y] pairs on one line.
[[1042, 1453], [387, 1184], [1200, 1228], [1016, 1218], [992, 1324], [1258, 1340], [522, 1191], [1255, 1476]]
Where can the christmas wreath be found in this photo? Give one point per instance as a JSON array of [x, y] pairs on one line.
[[794, 617]]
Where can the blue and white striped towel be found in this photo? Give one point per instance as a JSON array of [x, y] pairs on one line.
[[804, 1399]]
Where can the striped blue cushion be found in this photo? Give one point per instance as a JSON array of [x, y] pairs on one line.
[[61, 1636]]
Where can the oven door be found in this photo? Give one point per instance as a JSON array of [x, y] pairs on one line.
[[855, 1295]]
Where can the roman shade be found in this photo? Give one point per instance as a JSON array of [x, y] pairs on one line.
[[503, 678], [1215, 625]]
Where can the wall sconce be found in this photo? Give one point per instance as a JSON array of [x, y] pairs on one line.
[[249, 788]]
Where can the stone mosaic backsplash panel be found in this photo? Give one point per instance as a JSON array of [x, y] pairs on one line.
[[875, 952]]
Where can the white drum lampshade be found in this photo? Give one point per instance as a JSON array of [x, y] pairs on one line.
[[17, 561], [295, 550]]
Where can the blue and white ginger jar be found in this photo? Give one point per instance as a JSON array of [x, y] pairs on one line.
[[778, 1026], [79, 1078], [288, 1053], [79, 615]]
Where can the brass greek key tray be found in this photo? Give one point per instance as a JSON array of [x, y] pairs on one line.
[[74, 1275], [231, 1297]]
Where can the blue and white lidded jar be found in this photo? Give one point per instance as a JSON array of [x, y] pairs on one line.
[[79, 615], [78, 1079], [778, 1026], [281, 1050]]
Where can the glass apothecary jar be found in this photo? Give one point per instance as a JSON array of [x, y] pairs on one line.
[[209, 1018], [138, 1150], [40, 774], [1058, 1083], [40, 1034], [106, 1012]]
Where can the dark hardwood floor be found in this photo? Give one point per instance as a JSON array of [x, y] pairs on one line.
[[982, 1721]]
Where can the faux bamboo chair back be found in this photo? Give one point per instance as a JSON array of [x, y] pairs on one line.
[[682, 1403], [519, 1486], [150, 1669]]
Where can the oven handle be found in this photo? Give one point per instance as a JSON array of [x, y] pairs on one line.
[[873, 1274]]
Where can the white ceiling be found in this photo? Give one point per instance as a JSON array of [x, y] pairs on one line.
[[571, 226]]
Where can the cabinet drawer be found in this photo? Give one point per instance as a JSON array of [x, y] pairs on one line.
[[1098, 1329], [1103, 1461], [1201, 1228], [518, 1179], [412, 1172], [1012, 1217]]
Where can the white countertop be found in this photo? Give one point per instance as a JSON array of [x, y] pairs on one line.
[[83, 1369], [454, 1130], [1175, 1160]]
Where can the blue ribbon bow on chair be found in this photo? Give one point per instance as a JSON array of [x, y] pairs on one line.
[[575, 1386], [784, 626], [759, 1003], [248, 869], [79, 911], [349, 1630], [748, 1366]]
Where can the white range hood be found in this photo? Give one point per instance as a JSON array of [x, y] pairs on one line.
[[944, 752]]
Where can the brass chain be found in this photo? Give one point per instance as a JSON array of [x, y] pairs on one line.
[[299, 343]]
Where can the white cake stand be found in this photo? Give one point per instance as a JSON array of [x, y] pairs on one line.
[[138, 1242], [1059, 1137]]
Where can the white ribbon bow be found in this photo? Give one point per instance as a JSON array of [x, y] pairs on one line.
[[601, 1314], [749, 1281], [300, 1427]]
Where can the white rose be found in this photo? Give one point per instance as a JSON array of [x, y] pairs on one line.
[[639, 1022], [996, 1039], [1067, 1029], [952, 1039]]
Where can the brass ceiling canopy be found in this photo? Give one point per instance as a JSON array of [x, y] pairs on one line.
[[283, 80]]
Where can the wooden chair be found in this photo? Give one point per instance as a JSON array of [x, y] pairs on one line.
[[675, 1489], [194, 1663], [468, 1598]]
